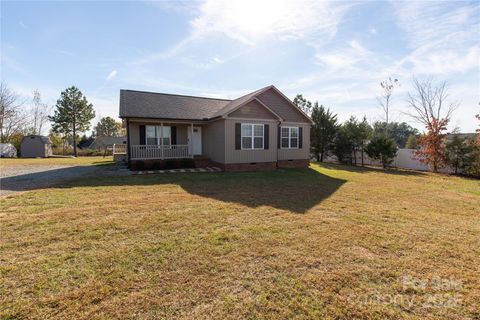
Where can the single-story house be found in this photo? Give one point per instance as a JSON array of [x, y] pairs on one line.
[[35, 146], [260, 130]]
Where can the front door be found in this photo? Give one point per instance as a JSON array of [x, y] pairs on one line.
[[196, 140]]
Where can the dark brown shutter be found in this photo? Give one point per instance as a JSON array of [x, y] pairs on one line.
[[173, 133], [265, 136], [278, 136], [238, 136], [142, 135], [300, 137]]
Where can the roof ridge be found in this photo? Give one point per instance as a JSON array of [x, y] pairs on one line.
[[178, 95], [252, 92]]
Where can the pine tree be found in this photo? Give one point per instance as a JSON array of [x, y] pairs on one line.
[[73, 114], [323, 131]]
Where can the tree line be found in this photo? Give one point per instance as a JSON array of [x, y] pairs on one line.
[[71, 118], [428, 104]]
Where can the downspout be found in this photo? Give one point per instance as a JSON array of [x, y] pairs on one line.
[[278, 135], [128, 143]]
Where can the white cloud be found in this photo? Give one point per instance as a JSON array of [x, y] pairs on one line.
[[111, 75], [249, 21], [427, 21], [372, 30], [23, 25], [344, 57]]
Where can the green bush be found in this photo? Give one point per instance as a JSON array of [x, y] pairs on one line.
[[139, 165], [383, 149], [187, 163]]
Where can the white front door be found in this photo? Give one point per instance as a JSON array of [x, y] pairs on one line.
[[196, 140]]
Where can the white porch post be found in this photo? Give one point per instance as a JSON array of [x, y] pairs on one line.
[[161, 139], [191, 140]]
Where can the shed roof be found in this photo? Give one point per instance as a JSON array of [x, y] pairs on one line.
[[44, 139]]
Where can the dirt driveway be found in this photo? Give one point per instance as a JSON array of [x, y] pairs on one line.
[[21, 178]]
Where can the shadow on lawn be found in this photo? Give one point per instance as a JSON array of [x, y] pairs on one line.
[[368, 169], [296, 190], [49, 177]]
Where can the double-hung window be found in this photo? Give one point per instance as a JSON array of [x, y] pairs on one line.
[[252, 136], [289, 137], [154, 135]]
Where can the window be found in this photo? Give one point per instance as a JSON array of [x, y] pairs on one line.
[[289, 137], [252, 136], [154, 136]]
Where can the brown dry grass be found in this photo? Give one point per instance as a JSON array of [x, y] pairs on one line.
[[326, 242]]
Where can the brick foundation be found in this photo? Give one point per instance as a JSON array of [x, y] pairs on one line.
[[201, 162], [256, 166], [302, 163]]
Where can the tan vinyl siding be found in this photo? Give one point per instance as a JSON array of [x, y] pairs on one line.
[[280, 106], [296, 154], [249, 156], [213, 140], [252, 110], [134, 133]]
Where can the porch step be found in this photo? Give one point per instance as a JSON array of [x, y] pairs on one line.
[[202, 162]]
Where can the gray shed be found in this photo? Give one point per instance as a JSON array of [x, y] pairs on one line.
[[34, 146]]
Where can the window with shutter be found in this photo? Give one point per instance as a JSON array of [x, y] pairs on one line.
[[252, 136], [289, 138]]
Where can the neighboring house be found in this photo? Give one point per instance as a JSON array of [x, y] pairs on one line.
[[34, 146], [261, 130], [86, 143], [101, 143]]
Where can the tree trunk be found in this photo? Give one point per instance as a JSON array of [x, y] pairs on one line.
[[318, 157], [362, 156], [355, 155], [74, 141], [321, 157]]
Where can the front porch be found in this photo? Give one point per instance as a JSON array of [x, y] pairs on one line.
[[160, 152], [164, 140]]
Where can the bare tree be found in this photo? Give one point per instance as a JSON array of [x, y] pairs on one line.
[[385, 98], [429, 106], [429, 103], [12, 118], [39, 113]]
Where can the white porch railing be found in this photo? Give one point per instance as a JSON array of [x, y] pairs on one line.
[[142, 152]]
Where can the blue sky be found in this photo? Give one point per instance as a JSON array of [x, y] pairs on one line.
[[335, 53]]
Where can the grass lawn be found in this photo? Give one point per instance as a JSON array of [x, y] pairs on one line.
[[325, 242], [80, 161]]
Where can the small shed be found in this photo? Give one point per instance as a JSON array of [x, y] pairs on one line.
[[34, 146]]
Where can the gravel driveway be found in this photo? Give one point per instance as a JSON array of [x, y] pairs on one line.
[[22, 178]]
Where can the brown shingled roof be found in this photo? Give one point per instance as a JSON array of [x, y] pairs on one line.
[[141, 104]]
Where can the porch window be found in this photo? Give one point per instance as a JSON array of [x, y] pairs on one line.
[[252, 136], [289, 137], [154, 135]]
